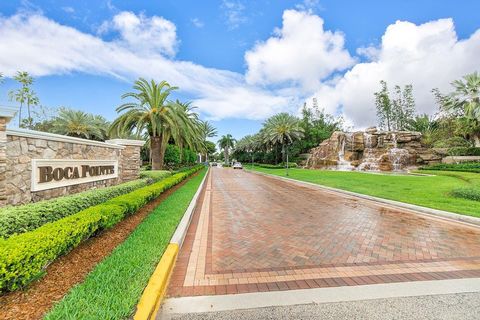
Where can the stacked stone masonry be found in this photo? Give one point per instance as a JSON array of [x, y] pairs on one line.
[[19, 147]]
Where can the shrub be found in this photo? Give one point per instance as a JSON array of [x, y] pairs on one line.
[[460, 151], [467, 193], [276, 166], [28, 217], [155, 175], [172, 155], [23, 257], [452, 143], [465, 167]]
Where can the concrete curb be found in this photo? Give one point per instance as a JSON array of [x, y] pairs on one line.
[[242, 301], [439, 214], [182, 227], [152, 296]]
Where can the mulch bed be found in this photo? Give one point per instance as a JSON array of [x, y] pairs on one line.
[[65, 272]]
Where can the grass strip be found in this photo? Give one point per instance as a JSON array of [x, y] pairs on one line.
[[113, 288], [433, 191]]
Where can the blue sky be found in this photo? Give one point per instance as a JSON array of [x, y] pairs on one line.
[[332, 50]]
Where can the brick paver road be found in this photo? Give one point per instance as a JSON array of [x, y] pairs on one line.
[[253, 233]]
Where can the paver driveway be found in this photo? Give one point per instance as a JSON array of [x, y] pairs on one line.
[[254, 233]]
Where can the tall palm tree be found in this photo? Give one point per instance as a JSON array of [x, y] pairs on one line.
[[24, 94], [79, 124], [191, 135], [465, 99], [282, 129], [226, 143], [209, 131], [151, 111]]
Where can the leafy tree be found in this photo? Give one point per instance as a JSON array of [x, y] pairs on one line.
[[226, 143], [172, 155], [24, 95], [394, 113]]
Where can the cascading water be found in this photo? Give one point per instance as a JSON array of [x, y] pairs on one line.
[[399, 157], [370, 161], [342, 164]]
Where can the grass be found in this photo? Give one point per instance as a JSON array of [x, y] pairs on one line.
[[113, 288], [433, 191]]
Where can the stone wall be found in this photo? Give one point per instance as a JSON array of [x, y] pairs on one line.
[[21, 146]]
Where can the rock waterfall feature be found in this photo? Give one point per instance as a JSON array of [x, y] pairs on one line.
[[372, 150]]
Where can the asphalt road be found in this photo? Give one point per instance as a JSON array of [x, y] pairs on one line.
[[448, 307]]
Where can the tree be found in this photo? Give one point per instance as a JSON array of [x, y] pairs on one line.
[[150, 112], [394, 113], [464, 103], [226, 143], [282, 129], [384, 107], [80, 124], [23, 95]]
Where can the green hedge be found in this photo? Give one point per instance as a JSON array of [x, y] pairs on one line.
[[467, 193], [276, 166], [19, 219], [23, 257], [465, 167], [461, 151], [155, 175]]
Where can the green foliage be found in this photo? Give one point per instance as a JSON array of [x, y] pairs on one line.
[[155, 175], [451, 142], [394, 113], [226, 143], [465, 167], [104, 293], [172, 155], [189, 156], [461, 151], [80, 124], [23, 257], [28, 217], [276, 166], [24, 95], [467, 193]]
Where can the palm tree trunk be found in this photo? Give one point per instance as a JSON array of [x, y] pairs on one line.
[[20, 116], [476, 139], [155, 146], [225, 155], [29, 117]]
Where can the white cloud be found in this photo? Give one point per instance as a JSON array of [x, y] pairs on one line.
[[143, 33], [428, 56], [234, 12], [197, 23], [301, 52], [68, 9], [309, 5], [36, 44]]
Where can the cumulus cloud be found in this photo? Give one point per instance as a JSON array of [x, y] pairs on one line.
[[301, 52], [43, 47], [143, 33], [428, 56]]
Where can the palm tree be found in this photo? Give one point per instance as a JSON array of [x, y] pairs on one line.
[[249, 144], [465, 100], [24, 94], [282, 129], [153, 113], [209, 131], [79, 124], [226, 143]]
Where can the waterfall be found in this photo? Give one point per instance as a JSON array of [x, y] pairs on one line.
[[398, 156], [342, 164], [370, 161]]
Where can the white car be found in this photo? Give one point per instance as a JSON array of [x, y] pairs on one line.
[[237, 165]]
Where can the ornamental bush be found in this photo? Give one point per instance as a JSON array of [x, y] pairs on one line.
[[467, 193], [19, 219], [24, 257], [460, 151], [465, 167], [276, 166]]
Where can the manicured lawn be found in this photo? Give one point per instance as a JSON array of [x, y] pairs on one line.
[[429, 191], [113, 288]]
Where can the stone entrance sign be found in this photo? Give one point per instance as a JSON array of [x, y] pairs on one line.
[[56, 173], [38, 165]]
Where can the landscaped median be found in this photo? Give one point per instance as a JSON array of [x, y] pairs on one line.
[[113, 288], [23, 257], [437, 190]]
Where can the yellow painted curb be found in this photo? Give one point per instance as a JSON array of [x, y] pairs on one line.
[[153, 294]]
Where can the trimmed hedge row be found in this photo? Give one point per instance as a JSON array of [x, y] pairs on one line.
[[464, 167], [155, 175], [23, 257], [463, 151], [276, 166], [20, 219]]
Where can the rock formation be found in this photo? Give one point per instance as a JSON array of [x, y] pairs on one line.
[[372, 150]]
